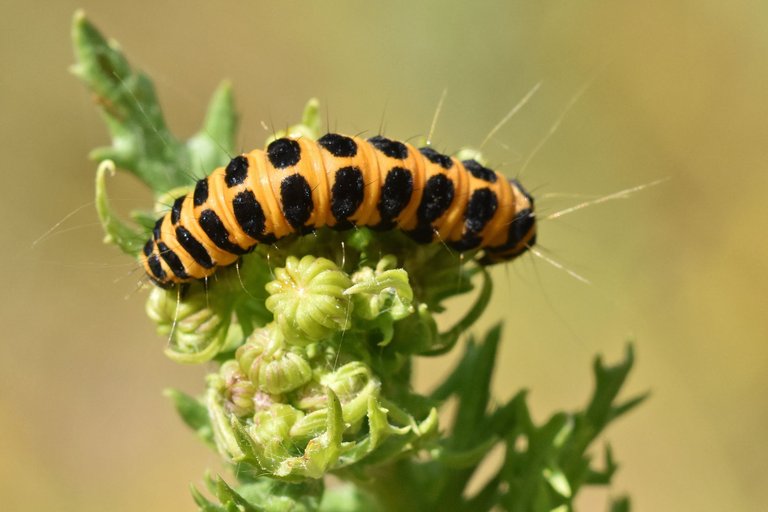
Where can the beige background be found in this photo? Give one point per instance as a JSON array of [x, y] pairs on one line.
[[678, 90]]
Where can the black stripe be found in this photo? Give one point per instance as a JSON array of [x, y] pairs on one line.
[[438, 196], [468, 241], [201, 192], [395, 194], [433, 156], [519, 228], [480, 172], [423, 233], [391, 148], [347, 193], [296, 199], [153, 262], [284, 153], [176, 210], [173, 261], [214, 228], [521, 225], [249, 214], [236, 171], [193, 247], [156, 229], [480, 209], [338, 145]]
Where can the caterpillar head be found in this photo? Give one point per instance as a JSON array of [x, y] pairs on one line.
[[521, 234]]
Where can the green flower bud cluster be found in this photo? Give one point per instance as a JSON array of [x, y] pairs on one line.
[[297, 398]]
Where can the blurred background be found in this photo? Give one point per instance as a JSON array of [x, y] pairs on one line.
[[674, 90]]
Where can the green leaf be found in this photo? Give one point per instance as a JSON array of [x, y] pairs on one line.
[[450, 337], [609, 380], [416, 333], [475, 391], [273, 495], [193, 412], [141, 141], [620, 504], [471, 380], [129, 240], [142, 144], [487, 498], [511, 416], [559, 482], [621, 409], [466, 458], [228, 497], [214, 145], [603, 477], [348, 498], [599, 412], [378, 426], [231, 442], [202, 502], [437, 273]]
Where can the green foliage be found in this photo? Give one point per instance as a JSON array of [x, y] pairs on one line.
[[313, 342], [141, 142], [260, 495]]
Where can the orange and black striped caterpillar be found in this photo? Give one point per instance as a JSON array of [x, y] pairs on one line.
[[298, 185]]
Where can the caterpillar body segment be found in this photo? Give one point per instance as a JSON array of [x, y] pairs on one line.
[[298, 185]]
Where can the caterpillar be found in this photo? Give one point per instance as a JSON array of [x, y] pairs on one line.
[[297, 185]]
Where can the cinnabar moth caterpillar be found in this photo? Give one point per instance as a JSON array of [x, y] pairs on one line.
[[298, 185]]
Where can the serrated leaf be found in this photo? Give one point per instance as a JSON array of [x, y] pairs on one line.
[[608, 382], [474, 393], [142, 143]]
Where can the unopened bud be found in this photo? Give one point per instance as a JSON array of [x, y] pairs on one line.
[[196, 329], [270, 364], [307, 299]]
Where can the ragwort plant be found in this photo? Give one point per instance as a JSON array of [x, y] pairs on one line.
[[314, 341]]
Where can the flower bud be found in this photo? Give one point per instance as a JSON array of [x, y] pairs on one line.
[[197, 329], [307, 299], [238, 390], [353, 384], [270, 364], [384, 289], [270, 435], [274, 423]]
